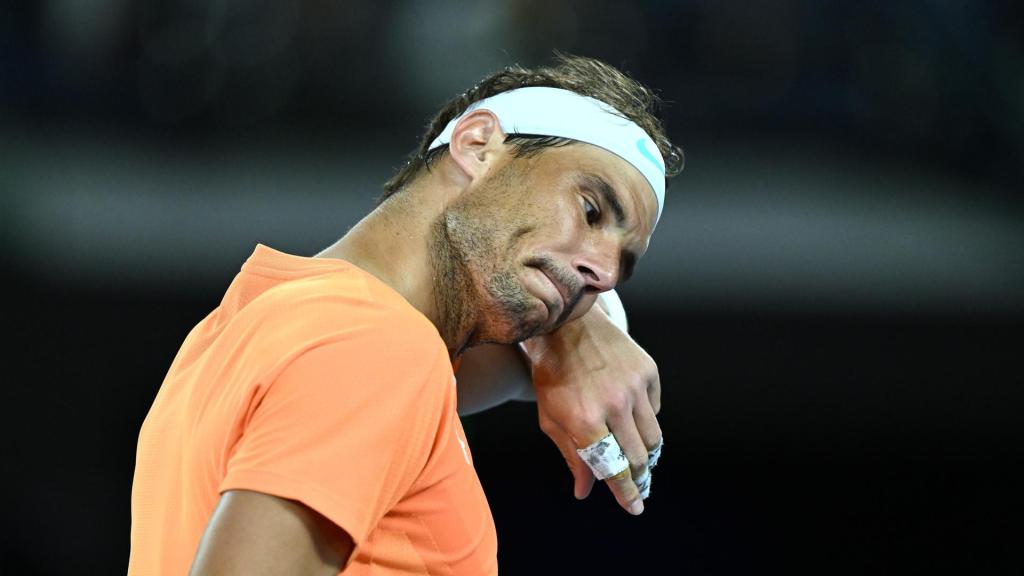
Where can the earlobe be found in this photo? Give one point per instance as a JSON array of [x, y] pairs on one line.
[[476, 142]]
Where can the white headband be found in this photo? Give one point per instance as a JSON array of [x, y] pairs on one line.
[[543, 111]]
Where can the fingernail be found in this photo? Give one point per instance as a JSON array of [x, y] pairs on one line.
[[637, 507]]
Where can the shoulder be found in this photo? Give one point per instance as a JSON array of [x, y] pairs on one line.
[[353, 314], [344, 299], [376, 312]]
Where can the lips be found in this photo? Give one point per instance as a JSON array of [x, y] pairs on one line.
[[562, 292], [553, 309]]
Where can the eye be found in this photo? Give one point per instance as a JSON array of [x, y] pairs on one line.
[[590, 211]]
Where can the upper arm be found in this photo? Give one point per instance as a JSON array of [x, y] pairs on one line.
[[491, 374], [347, 426], [258, 534]]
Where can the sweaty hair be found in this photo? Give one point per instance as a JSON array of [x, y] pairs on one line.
[[584, 76]]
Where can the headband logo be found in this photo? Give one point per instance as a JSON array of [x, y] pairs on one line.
[[641, 145]]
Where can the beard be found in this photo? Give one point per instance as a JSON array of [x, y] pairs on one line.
[[478, 294], [509, 309]]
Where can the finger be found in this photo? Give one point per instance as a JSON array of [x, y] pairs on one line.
[[621, 483], [647, 425], [624, 427], [654, 455], [654, 393], [626, 492], [583, 478], [650, 432]]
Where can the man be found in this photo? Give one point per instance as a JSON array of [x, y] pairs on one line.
[[308, 424]]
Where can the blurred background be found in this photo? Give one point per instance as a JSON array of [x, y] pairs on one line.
[[833, 294]]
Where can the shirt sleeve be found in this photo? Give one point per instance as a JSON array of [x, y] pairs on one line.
[[347, 426]]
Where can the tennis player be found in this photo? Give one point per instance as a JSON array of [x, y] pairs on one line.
[[309, 424]]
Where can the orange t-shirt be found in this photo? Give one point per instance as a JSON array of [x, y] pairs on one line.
[[316, 382]]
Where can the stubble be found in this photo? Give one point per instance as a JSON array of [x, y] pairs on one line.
[[478, 296]]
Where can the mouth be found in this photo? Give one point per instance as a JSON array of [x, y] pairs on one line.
[[562, 292], [553, 288]]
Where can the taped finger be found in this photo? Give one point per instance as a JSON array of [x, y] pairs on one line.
[[583, 479], [643, 484], [654, 454], [604, 457]]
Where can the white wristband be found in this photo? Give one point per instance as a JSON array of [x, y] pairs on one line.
[[612, 305]]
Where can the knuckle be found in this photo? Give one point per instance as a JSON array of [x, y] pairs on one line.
[[548, 426], [637, 385], [586, 417], [637, 465], [648, 365], [652, 367], [619, 402], [589, 425], [656, 437], [650, 429]]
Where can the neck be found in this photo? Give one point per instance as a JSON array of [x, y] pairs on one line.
[[404, 243], [451, 287]]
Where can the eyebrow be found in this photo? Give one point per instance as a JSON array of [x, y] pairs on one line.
[[601, 186], [598, 184]]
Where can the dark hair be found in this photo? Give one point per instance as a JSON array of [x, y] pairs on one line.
[[582, 75]]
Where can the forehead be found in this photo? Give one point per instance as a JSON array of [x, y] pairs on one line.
[[588, 165]]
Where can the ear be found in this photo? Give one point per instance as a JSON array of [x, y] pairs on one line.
[[477, 142]]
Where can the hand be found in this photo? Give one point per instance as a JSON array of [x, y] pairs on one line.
[[591, 378]]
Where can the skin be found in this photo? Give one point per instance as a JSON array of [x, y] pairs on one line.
[[492, 249], [255, 533], [586, 388], [587, 378], [463, 242]]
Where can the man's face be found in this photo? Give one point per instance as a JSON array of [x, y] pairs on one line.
[[538, 238]]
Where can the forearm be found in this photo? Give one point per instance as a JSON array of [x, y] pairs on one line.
[[562, 348], [493, 374]]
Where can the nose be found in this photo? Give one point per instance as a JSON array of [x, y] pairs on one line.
[[598, 262]]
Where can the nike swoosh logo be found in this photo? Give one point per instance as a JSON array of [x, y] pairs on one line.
[[641, 145]]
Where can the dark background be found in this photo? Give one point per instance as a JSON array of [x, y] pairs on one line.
[[833, 295]]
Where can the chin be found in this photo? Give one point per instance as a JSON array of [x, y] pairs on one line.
[[511, 333]]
